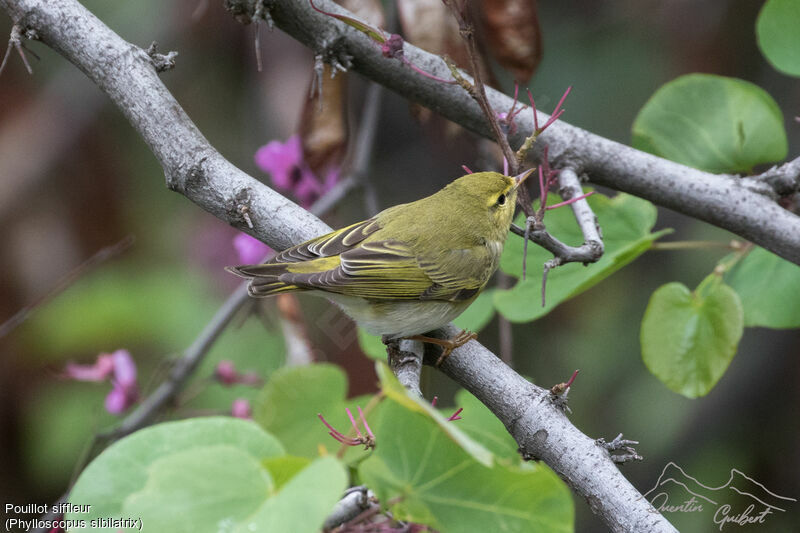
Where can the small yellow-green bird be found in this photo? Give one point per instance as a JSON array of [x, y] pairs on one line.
[[411, 268]]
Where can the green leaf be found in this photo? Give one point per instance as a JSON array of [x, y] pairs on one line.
[[437, 483], [291, 400], [769, 288], [284, 468], [192, 475], [289, 403], [393, 389], [777, 34], [712, 123], [479, 313], [372, 345], [689, 338], [484, 427], [626, 222], [304, 502], [200, 489]]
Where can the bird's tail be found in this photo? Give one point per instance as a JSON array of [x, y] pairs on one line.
[[264, 279]]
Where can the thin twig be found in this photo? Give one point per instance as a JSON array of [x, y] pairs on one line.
[[102, 255], [592, 248], [364, 144], [15, 40], [478, 92], [695, 245]]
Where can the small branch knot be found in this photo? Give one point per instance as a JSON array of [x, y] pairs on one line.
[[161, 62], [15, 41], [620, 445]]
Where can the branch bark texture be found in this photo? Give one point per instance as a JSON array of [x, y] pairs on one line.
[[533, 417], [194, 168], [744, 206]]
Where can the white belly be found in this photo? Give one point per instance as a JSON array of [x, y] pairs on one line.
[[399, 318]]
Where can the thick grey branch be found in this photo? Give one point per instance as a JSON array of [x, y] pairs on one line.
[[745, 206], [543, 432], [405, 360], [195, 169]]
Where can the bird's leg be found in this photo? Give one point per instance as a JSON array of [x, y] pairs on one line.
[[448, 345]]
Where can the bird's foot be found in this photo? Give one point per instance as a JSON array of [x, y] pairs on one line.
[[448, 345]]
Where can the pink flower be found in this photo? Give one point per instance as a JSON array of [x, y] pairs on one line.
[[250, 250], [308, 189], [99, 371], [281, 161], [241, 409], [120, 368], [227, 374], [125, 391], [124, 368], [289, 172]]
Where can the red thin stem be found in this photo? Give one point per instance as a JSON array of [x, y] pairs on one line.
[[542, 188], [455, 416], [353, 422], [364, 420], [315, 8], [427, 75], [570, 201], [468, 171], [572, 379], [533, 106]]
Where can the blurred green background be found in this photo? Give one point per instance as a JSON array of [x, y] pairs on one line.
[[75, 177]]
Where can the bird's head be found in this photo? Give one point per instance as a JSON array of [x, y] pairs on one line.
[[489, 193]]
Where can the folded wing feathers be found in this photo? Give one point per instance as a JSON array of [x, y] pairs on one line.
[[380, 269]]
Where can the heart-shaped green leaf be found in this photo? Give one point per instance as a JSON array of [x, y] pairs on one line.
[[689, 338], [712, 123], [435, 482], [778, 35], [191, 475], [289, 403], [769, 288]]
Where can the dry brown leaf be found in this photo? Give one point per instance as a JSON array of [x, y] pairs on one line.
[[323, 125], [513, 35]]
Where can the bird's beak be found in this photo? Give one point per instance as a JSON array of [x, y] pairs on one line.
[[522, 177]]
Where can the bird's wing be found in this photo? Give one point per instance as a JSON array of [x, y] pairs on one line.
[[457, 274], [377, 269], [341, 262]]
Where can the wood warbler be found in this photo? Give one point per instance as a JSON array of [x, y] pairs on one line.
[[409, 269]]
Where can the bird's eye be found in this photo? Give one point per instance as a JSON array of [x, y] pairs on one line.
[[501, 200]]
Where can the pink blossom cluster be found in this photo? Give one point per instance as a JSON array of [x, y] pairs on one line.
[[289, 172], [120, 369]]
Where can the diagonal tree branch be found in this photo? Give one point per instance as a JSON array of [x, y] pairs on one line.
[[745, 206], [194, 168]]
